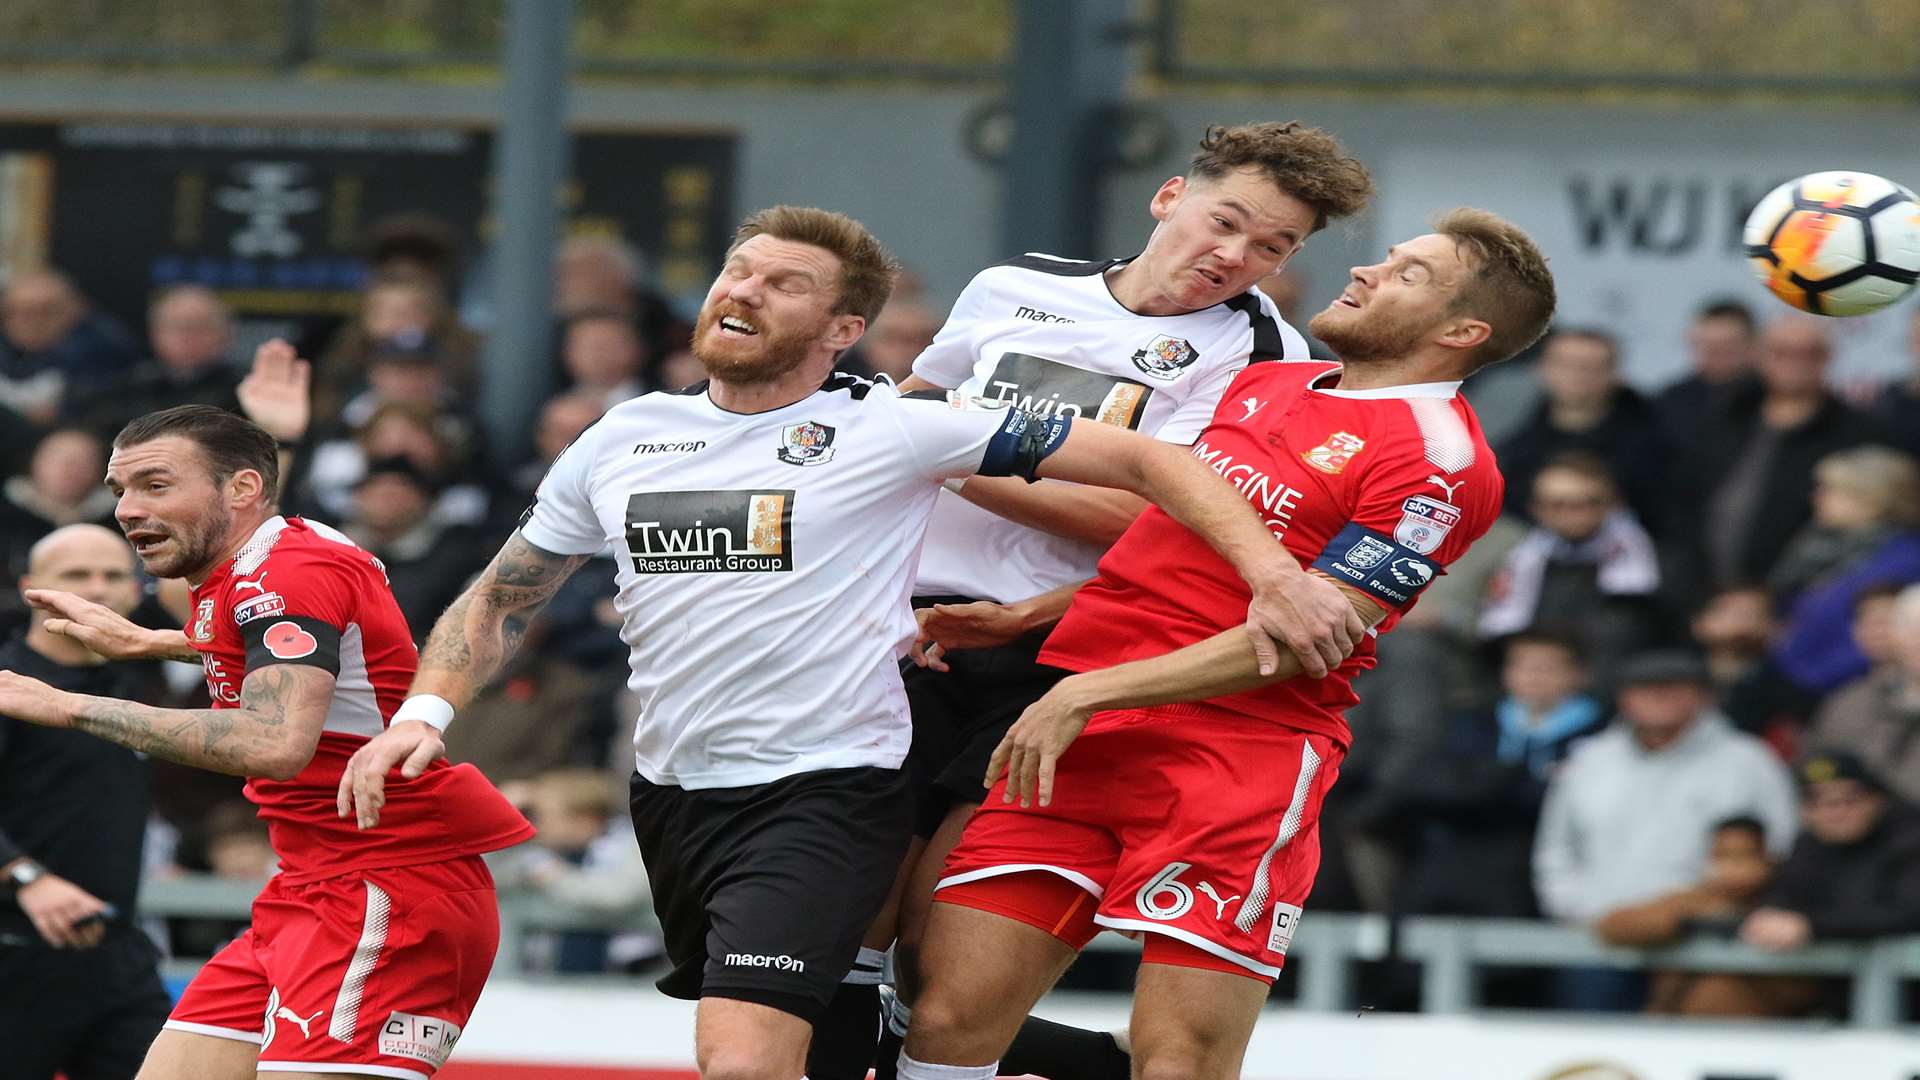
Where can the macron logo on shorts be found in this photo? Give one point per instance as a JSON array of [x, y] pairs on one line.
[[783, 961]]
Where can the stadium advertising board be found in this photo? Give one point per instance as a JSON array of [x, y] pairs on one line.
[[275, 217], [1639, 233]]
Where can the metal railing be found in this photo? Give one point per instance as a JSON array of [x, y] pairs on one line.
[[1450, 951]]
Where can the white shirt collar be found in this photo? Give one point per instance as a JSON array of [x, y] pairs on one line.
[[1408, 390]]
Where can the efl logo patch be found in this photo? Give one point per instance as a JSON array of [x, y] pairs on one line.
[[1285, 918], [257, 607], [1424, 523], [287, 641], [422, 1038]]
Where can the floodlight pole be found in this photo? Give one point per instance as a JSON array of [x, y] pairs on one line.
[[1071, 65], [530, 152]]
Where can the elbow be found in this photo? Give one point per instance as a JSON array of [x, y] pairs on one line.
[[282, 763]]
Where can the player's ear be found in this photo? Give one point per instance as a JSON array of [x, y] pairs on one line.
[[1465, 333], [245, 486], [844, 331], [1163, 201]]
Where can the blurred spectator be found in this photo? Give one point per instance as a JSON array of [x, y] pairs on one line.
[[1897, 407], [1629, 816], [1474, 806], [1855, 871], [1865, 532], [1588, 562], [79, 989], [398, 314], [1738, 872], [428, 562], [190, 331], [1721, 341], [1753, 468], [897, 337], [436, 444], [603, 357], [1877, 718], [604, 274], [406, 376], [534, 717], [238, 847], [1588, 408], [584, 856], [1736, 629], [561, 421], [676, 369], [415, 245], [62, 486], [52, 345]]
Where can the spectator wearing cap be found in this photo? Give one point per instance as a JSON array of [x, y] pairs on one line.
[[1877, 718], [1630, 815], [1855, 871], [1587, 561], [1865, 533], [191, 333], [427, 561]]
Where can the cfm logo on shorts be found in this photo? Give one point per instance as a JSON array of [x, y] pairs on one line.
[[422, 1038]]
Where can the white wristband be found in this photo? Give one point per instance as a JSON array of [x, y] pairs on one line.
[[430, 709]]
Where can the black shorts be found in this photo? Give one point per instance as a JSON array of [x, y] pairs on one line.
[[764, 892], [960, 715]]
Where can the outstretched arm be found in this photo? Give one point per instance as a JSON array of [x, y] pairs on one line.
[[271, 734], [469, 644], [1220, 665], [1306, 614], [106, 631]]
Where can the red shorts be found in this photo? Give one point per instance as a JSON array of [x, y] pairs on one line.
[[1183, 821], [372, 972]]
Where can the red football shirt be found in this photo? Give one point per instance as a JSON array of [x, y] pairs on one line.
[[1379, 489], [300, 592]]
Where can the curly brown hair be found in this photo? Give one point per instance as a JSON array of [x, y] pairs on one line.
[[866, 270], [1511, 287], [1302, 161]]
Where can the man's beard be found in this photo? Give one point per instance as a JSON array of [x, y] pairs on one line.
[[194, 546], [1360, 339], [778, 355]]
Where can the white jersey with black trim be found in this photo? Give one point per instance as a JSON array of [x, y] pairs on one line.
[[765, 562], [1046, 334]]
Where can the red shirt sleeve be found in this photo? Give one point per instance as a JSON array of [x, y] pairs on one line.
[[295, 610]]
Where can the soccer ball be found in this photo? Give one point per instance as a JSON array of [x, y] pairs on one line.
[[1836, 243]]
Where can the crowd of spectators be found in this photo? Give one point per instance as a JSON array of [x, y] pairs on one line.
[[1677, 686]]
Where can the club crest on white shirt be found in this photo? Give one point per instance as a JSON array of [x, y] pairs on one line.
[[810, 443], [1165, 357]]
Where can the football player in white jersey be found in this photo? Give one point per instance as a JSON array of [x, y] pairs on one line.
[[768, 523], [1147, 343]]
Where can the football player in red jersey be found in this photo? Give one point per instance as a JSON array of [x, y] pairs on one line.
[[369, 948], [1187, 809]]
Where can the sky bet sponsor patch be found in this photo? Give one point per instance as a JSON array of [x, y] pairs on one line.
[[710, 532], [1424, 523], [1368, 561]]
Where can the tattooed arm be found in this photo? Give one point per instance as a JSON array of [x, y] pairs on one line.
[[469, 645], [272, 734], [471, 642]]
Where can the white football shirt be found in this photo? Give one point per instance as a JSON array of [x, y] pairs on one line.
[[1046, 335], [765, 563]]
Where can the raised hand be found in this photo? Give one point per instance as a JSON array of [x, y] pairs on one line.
[[277, 393]]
